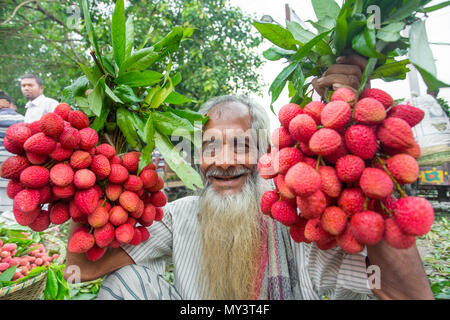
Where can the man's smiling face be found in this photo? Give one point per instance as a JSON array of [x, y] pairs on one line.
[[228, 154]]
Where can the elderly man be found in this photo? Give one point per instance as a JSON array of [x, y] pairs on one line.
[[222, 247], [38, 104]]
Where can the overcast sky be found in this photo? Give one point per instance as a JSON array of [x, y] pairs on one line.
[[438, 29]]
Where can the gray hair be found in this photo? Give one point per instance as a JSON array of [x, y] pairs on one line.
[[260, 119]]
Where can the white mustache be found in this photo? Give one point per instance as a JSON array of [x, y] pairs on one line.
[[227, 173]]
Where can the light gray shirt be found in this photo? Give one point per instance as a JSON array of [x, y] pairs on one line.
[[38, 107]]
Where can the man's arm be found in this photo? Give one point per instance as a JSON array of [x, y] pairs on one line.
[[402, 273], [112, 260]]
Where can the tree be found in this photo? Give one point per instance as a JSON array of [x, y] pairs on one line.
[[36, 36]]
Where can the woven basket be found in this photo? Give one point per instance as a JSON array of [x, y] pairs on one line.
[[31, 289]]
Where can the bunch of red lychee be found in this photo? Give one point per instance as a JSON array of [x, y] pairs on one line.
[[58, 162], [336, 168], [36, 256]]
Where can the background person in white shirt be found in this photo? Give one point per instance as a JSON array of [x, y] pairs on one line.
[[38, 104]]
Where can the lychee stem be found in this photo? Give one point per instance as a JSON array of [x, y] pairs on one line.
[[319, 159], [366, 202], [397, 185], [386, 210]]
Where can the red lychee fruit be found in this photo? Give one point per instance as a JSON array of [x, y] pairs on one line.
[[410, 114], [84, 179], [336, 115], [360, 140], [267, 200], [144, 233], [76, 214], [41, 223], [13, 166], [331, 185], [39, 143], [106, 149], [303, 179], [80, 160], [70, 138], [17, 134], [81, 241], [45, 194], [124, 233], [313, 206], [283, 189], [325, 141], [104, 235], [286, 158], [148, 216], [396, 133], [59, 213], [129, 200], [63, 110], [99, 217], [344, 94], [302, 127], [115, 160], [63, 192], [113, 191], [403, 168], [369, 111], [375, 183], [284, 213], [88, 138], [26, 218], [297, 231], [13, 188], [158, 186], [349, 168], [118, 174], [315, 232], [379, 95], [348, 242], [26, 200], [137, 237], [395, 237], [61, 175], [351, 201], [118, 215], [101, 167], [414, 215], [12, 147], [60, 153], [288, 112], [367, 227], [86, 200], [36, 158], [34, 127], [35, 177], [51, 124], [281, 138], [95, 253], [131, 161], [314, 110], [339, 153], [78, 119], [158, 199], [149, 178], [266, 166], [334, 220], [305, 149]]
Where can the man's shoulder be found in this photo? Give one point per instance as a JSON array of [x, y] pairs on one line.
[[183, 205]]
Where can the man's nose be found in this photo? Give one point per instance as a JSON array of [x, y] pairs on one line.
[[228, 157]]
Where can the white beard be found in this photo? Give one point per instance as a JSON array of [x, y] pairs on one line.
[[231, 229]]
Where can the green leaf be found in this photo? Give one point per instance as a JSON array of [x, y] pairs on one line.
[[392, 70], [90, 30], [303, 51], [77, 88], [435, 7], [140, 60], [148, 98], [161, 95], [149, 130], [279, 83], [370, 66], [324, 8], [192, 116], [275, 53], [8, 274], [341, 32], [365, 44], [52, 284], [139, 78], [391, 32], [95, 98], [118, 32], [168, 123], [304, 36], [277, 35], [405, 10], [139, 125], [92, 73], [298, 80], [172, 157], [129, 36], [171, 41], [176, 98], [323, 25], [147, 37], [421, 56], [99, 122], [125, 123], [126, 94], [356, 24]]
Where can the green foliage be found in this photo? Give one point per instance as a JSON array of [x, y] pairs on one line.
[[444, 105], [353, 28]]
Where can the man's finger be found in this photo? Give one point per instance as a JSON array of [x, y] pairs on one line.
[[344, 69], [353, 59], [347, 80], [317, 87]]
